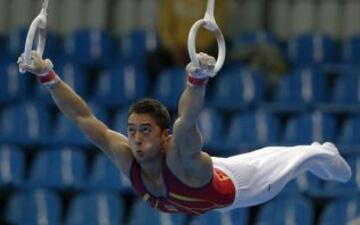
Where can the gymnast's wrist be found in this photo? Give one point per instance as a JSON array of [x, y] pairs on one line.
[[49, 79], [197, 81]]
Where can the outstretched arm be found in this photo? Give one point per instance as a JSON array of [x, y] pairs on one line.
[[190, 105], [74, 107], [186, 133]]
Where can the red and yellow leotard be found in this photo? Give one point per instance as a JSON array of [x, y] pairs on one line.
[[219, 193]]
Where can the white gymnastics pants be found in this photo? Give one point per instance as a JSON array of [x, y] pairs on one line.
[[260, 175]]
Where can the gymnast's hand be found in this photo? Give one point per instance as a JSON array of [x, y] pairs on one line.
[[38, 66], [205, 68]]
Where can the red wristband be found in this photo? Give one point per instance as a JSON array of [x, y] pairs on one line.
[[197, 81], [50, 78]]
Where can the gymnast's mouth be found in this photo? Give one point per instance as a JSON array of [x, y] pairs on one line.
[[139, 152]]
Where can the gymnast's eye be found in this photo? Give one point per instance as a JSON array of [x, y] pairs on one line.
[[131, 131], [145, 130]]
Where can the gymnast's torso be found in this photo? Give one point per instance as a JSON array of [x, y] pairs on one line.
[[179, 197]]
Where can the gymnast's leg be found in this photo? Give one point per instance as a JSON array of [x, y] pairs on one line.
[[260, 175]]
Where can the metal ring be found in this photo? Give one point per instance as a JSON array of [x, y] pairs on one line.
[[38, 26], [220, 40]]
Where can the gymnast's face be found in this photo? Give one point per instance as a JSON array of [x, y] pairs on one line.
[[147, 140]]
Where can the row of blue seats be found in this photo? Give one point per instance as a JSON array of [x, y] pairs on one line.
[[97, 208], [250, 130], [97, 47], [235, 88], [305, 49], [45, 207], [107, 208], [31, 124], [67, 169], [87, 47], [301, 211]]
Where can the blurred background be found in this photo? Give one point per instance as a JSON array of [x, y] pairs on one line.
[[291, 76]]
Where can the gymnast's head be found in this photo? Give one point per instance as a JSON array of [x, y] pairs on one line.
[[148, 128]]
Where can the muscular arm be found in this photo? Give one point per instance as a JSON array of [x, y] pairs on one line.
[[186, 133], [112, 143], [187, 137], [190, 105]]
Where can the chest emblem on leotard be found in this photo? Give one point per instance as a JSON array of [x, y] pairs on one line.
[[222, 177]]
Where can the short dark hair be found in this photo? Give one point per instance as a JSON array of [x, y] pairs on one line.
[[154, 108]]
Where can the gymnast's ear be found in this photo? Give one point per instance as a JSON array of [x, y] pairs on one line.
[[166, 133], [166, 136]]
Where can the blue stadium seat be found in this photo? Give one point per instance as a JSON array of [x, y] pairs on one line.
[[237, 88], [96, 208], [252, 130], [296, 211], [306, 128], [351, 50], [345, 95], [34, 207], [120, 122], [335, 189], [142, 214], [234, 217], [59, 168], [16, 42], [121, 86], [299, 90], [13, 85], [24, 124], [349, 139], [212, 127], [255, 37], [12, 167], [340, 212], [134, 46], [89, 47], [72, 75], [105, 175], [312, 49], [169, 86], [4, 55], [65, 132]]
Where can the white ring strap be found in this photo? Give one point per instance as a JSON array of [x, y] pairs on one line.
[[38, 26], [209, 23]]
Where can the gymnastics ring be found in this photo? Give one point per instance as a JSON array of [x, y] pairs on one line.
[[38, 26], [209, 23]]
